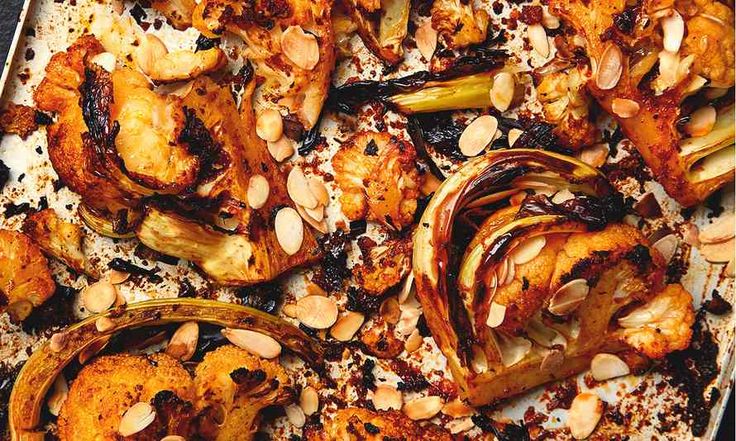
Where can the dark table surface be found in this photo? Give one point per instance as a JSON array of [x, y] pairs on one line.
[[8, 19]]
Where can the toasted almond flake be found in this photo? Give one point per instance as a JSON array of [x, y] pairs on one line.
[[408, 320], [183, 343], [320, 226], [673, 29], [457, 409], [254, 342], [568, 297], [552, 360], [269, 125], [300, 47], [426, 38], [319, 191], [538, 39], [701, 121], [479, 363], [57, 342], [730, 269], [173, 438], [721, 252], [406, 288], [528, 250], [295, 415], [289, 310], [117, 277], [691, 234], [58, 395], [514, 135], [585, 412], [477, 135], [719, 231], [609, 68], [423, 408], [562, 196], [317, 312], [502, 91], [387, 397], [136, 418], [496, 314], [298, 188], [390, 311], [667, 246], [414, 341], [549, 21], [105, 60], [606, 366], [513, 349], [595, 155], [624, 108], [104, 324], [281, 149], [459, 426], [346, 327], [309, 401], [289, 230], [317, 213], [99, 296], [258, 191]]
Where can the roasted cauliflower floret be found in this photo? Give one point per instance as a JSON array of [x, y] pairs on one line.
[[231, 382], [57, 238], [378, 177], [662, 325], [25, 279], [178, 12], [108, 386], [383, 31], [458, 23], [710, 39], [384, 265], [354, 424], [18, 119]]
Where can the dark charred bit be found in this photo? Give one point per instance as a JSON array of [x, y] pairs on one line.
[[358, 227], [210, 338], [640, 257], [173, 414], [119, 264], [648, 207], [139, 15], [333, 270], [96, 99], [186, 289], [562, 394], [56, 312], [502, 431], [412, 379], [714, 204], [4, 174], [200, 142], [247, 379], [8, 374], [203, 43], [360, 301], [626, 19], [418, 133], [12, 209], [265, 297], [368, 379], [717, 305], [311, 140], [593, 211], [293, 128], [440, 132], [540, 135]]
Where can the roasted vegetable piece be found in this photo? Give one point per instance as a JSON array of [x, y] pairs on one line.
[[378, 177], [19, 120], [650, 78], [295, 65], [459, 23], [355, 423], [25, 279], [542, 281], [384, 265], [41, 369], [57, 238], [383, 31], [178, 12]]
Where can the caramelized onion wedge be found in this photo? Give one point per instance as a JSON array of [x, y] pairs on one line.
[[42, 368]]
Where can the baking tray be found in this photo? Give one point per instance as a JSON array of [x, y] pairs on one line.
[[648, 402]]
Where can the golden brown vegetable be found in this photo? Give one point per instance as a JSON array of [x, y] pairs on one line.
[[353, 423], [57, 238]]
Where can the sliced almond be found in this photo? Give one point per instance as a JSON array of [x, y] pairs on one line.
[[104, 324], [58, 395], [673, 29], [136, 418], [406, 288], [298, 188], [606, 366], [426, 38], [387, 398], [562, 196], [281, 149], [390, 311], [719, 231], [721, 252], [513, 135], [316, 312], [552, 360], [300, 47], [701, 121], [549, 21], [496, 314], [538, 39], [309, 401], [513, 349], [502, 91], [99, 296], [414, 341], [528, 250], [254, 342], [423, 408], [568, 297], [585, 412], [459, 426], [320, 226], [105, 60], [183, 343], [295, 415], [57, 342], [173, 438], [289, 230], [624, 108], [730, 269], [408, 320], [117, 277], [317, 213], [269, 125], [258, 191], [319, 191], [346, 327], [595, 155], [667, 246], [457, 409], [609, 68], [477, 135]]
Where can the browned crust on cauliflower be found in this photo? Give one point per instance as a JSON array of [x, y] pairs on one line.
[[57, 238], [355, 423]]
